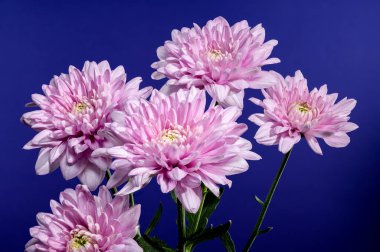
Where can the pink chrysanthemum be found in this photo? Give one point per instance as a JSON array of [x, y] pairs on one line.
[[222, 59], [72, 115], [291, 111], [174, 138], [83, 222]]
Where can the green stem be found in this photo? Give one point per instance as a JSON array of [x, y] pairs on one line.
[[199, 213], [108, 176], [131, 200], [181, 221], [256, 230]]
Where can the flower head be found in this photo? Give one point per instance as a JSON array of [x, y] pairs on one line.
[[221, 58], [176, 140], [73, 112], [83, 222], [292, 112]]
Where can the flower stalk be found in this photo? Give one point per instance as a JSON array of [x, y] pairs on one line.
[[256, 231], [199, 213], [181, 222], [114, 189]]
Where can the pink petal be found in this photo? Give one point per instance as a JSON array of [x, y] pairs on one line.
[[189, 197], [70, 171], [219, 92], [286, 143], [177, 174], [166, 184], [42, 164], [130, 219], [91, 176], [337, 140], [263, 79], [313, 143]]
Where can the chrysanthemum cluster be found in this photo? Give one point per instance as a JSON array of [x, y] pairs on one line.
[[92, 121]]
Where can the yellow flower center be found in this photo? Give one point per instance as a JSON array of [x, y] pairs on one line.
[[79, 241], [169, 136], [217, 55], [303, 107], [80, 106]]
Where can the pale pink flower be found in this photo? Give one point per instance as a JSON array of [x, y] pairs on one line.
[[176, 140], [73, 112], [292, 112], [222, 59], [82, 222]]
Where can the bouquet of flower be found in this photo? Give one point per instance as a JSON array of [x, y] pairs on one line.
[[94, 125]]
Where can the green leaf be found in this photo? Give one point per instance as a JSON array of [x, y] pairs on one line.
[[228, 242], [156, 218], [259, 200], [211, 203], [191, 219], [209, 206], [267, 230], [209, 234], [154, 244]]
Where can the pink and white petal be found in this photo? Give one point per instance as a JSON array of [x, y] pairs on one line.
[[236, 166], [101, 162], [265, 136], [38, 139], [118, 152], [177, 174], [91, 176], [337, 140], [250, 155], [104, 195], [133, 85], [348, 127], [168, 89], [271, 61], [145, 92], [263, 79], [130, 219], [43, 164], [214, 188], [344, 107], [70, 171], [134, 184], [157, 76], [166, 184], [239, 84], [231, 114], [287, 142], [258, 118], [256, 101], [218, 92], [127, 245], [117, 178], [57, 152], [189, 197], [101, 152], [313, 143], [234, 99], [191, 180], [118, 116]]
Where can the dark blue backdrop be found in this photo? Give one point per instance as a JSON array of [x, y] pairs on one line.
[[323, 203]]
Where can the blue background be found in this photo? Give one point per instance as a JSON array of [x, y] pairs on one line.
[[323, 203]]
